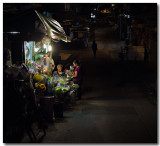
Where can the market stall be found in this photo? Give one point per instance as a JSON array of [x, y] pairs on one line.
[[51, 91]]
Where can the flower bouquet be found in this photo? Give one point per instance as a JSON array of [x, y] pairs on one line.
[[40, 88], [59, 92], [75, 86], [38, 77], [73, 92]]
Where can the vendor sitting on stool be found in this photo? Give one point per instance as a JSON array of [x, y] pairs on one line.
[[77, 75]]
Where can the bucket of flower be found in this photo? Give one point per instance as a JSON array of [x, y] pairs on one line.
[[58, 107], [40, 89], [45, 102]]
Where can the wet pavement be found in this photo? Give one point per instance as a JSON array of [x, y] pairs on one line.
[[114, 106]]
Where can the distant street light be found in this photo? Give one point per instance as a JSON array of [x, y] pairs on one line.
[[113, 5]]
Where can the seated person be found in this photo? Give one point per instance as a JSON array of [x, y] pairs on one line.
[[59, 71]]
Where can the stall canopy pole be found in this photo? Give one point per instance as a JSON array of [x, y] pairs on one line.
[[53, 28]]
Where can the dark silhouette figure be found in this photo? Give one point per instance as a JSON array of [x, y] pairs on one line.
[[94, 48], [19, 107]]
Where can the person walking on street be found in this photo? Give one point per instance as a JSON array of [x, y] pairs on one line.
[[94, 48]]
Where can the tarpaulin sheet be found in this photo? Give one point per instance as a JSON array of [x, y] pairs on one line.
[[53, 28]]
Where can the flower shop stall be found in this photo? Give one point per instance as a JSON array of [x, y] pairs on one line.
[[51, 91]]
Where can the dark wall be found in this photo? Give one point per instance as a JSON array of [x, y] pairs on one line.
[[16, 52], [21, 22]]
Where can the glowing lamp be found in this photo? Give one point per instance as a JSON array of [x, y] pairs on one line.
[[44, 46], [36, 49], [50, 48]]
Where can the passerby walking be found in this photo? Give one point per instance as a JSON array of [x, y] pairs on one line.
[[94, 48]]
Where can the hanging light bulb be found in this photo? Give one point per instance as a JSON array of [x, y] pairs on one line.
[[50, 48], [44, 46], [36, 49]]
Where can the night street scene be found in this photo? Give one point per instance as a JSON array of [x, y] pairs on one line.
[[80, 73]]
